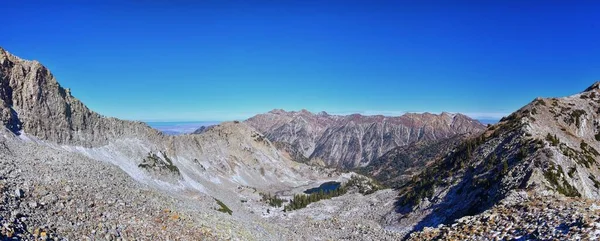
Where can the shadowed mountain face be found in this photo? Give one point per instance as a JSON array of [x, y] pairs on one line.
[[549, 146], [398, 165], [355, 140]]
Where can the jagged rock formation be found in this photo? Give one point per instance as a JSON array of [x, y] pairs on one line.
[[547, 147], [355, 140], [32, 101]]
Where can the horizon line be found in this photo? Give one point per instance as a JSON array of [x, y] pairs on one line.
[[473, 115]]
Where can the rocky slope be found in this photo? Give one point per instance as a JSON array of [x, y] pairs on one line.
[[355, 140], [525, 216], [36, 108], [51, 193], [400, 164], [547, 147], [48, 192], [202, 129]]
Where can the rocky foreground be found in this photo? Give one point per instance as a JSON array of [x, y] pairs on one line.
[[524, 216], [47, 193], [52, 194]]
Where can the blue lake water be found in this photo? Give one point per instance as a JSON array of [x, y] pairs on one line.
[[326, 187]]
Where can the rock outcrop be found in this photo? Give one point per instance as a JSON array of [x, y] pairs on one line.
[[355, 140]]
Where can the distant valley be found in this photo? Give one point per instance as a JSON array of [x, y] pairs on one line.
[[179, 127]]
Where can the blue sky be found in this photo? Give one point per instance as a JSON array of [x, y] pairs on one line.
[[225, 60]]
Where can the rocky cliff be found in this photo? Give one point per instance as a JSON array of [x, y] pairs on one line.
[[355, 140], [548, 147], [33, 103]]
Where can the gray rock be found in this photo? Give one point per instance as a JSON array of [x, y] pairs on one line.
[[19, 193]]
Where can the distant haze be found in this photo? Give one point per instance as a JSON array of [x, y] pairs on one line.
[[488, 121], [178, 128], [186, 127]]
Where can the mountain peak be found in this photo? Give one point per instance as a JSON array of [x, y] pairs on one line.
[[304, 111], [595, 86], [323, 113], [277, 111], [448, 114]]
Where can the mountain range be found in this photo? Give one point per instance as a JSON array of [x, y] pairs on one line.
[[68, 173], [353, 141]]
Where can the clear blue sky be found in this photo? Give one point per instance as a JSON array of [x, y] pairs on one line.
[[224, 60]]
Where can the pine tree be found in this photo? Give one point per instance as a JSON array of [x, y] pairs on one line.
[[504, 167]]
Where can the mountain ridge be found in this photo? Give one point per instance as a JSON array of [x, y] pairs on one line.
[[355, 140], [546, 148]]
